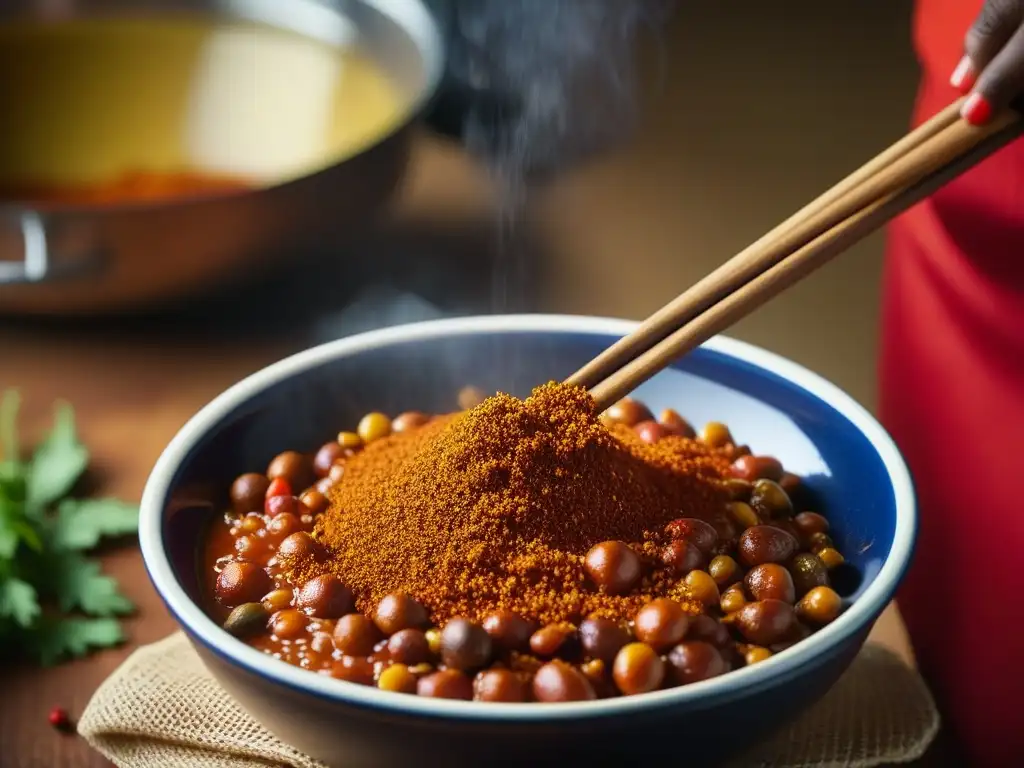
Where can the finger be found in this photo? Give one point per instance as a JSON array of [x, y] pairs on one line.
[[999, 83], [992, 29]]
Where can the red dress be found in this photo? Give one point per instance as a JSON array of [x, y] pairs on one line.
[[952, 395]]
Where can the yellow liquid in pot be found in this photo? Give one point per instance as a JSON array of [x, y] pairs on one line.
[[86, 102]]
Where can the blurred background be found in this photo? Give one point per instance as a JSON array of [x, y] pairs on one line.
[[139, 311]]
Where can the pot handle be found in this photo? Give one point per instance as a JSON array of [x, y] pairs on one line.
[[34, 265]]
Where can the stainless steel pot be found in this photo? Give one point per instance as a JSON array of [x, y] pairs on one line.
[[86, 260]]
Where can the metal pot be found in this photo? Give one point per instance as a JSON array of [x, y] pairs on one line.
[[107, 258]]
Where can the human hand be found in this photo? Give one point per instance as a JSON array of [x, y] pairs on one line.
[[992, 69]]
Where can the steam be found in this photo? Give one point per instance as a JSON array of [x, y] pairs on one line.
[[566, 67]]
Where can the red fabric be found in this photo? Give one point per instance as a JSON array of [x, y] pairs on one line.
[[952, 395]]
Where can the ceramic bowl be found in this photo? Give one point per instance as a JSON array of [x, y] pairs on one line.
[[774, 405]]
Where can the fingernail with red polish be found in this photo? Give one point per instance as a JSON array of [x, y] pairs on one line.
[[976, 109], [963, 76]]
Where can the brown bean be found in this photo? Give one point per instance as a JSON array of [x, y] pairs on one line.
[[242, 582], [766, 544], [552, 640], [694, 661], [602, 638], [399, 611], [808, 572], [650, 431], [771, 581], [289, 623], [638, 669], [509, 631], [356, 635], [326, 456], [831, 557], [810, 523], [465, 645], [628, 412], [613, 566], [705, 628], [300, 547], [681, 557], [294, 467], [325, 597], [284, 505], [661, 623], [751, 468], [446, 684], [676, 424], [282, 526], [248, 492], [769, 500], [246, 619], [314, 501], [698, 532], [557, 681], [407, 421], [766, 622], [409, 646], [500, 685]]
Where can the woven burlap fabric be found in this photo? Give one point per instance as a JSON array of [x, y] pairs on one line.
[[162, 709]]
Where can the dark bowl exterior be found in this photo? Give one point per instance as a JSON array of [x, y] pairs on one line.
[[845, 473]]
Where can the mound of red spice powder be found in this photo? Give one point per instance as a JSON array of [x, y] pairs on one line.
[[495, 507]]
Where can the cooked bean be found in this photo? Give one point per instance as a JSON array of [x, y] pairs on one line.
[[558, 681], [766, 544], [248, 492], [724, 570], [500, 685], [246, 619], [676, 424], [661, 623], [603, 638], [373, 426], [770, 581], [294, 467], [509, 631], [638, 669], [613, 566], [766, 621], [698, 532], [808, 572], [681, 557], [769, 500], [695, 661], [399, 611], [465, 645], [242, 582], [628, 412], [820, 606]]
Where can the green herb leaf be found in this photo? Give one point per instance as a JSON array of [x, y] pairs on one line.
[[78, 583], [81, 523], [54, 639], [58, 462], [18, 601], [10, 404], [9, 533]]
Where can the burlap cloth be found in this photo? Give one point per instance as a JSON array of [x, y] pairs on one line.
[[162, 709]]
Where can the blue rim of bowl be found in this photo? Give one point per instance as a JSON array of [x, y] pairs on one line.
[[738, 683]]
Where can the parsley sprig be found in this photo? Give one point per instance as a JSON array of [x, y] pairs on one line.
[[55, 602]]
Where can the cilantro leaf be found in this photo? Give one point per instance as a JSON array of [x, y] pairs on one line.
[[10, 404], [79, 583], [55, 638], [81, 523], [58, 462], [18, 601]]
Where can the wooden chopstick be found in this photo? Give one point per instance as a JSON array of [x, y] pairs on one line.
[[802, 226], [951, 152]]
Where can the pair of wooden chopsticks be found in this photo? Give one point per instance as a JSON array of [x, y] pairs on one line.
[[910, 170]]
